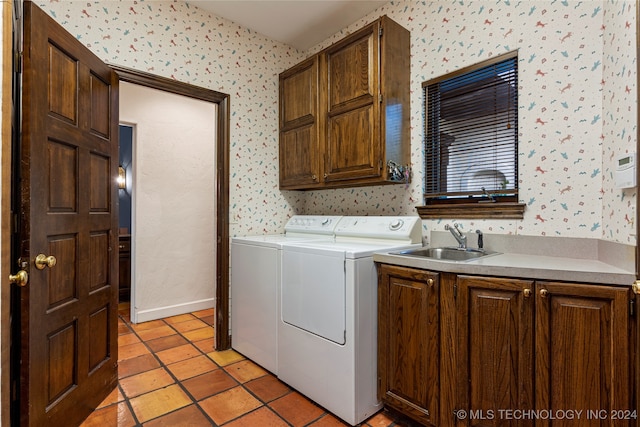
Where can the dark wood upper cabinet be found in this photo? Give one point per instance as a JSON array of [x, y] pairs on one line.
[[344, 112]]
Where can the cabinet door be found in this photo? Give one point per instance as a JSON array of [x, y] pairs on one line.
[[408, 341], [300, 152], [495, 349], [583, 359], [353, 142]]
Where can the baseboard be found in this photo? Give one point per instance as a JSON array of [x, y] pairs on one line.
[[140, 316]]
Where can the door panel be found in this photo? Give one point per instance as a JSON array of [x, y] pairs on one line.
[[69, 160], [495, 347], [582, 350], [353, 127]]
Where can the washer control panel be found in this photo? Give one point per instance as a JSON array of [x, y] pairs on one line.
[[312, 224], [401, 228]]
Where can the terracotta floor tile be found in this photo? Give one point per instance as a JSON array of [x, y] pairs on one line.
[[190, 416], [204, 313], [381, 419], [199, 334], [126, 339], [153, 333], [147, 325], [329, 420], [231, 396], [136, 365], [159, 402], [114, 397], [208, 384], [132, 350], [114, 415], [225, 357], [205, 346], [245, 370], [177, 354], [145, 382], [267, 388], [189, 325], [165, 343], [209, 320], [192, 367], [123, 328], [296, 409], [179, 318], [229, 405], [262, 417]]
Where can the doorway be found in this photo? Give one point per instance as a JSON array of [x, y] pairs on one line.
[[220, 192]]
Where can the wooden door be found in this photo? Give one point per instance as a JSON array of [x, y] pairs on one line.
[[353, 140], [300, 151], [495, 349], [69, 161], [583, 359], [408, 341]]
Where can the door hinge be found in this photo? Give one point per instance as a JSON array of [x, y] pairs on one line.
[[455, 291], [380, 31], [380, 98], [632, 308]]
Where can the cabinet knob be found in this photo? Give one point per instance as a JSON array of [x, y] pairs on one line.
[[544, 293], [430, 282], [314, 177], [527, 292]]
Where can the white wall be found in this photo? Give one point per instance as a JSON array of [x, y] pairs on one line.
[[173, 214]]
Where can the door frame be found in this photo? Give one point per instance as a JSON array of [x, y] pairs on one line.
[[11, 20], [221, 313]]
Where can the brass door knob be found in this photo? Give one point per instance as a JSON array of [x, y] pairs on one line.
[[20, 278], [43, 261], [430, 282], [544, 293], [527, 292]]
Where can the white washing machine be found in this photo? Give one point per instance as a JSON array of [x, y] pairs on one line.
[[256, 264], [327, 334]]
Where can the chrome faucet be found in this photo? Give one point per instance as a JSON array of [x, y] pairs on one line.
[[458, 235], [480, 239]]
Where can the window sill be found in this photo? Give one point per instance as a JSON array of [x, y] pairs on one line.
[[497, 210]]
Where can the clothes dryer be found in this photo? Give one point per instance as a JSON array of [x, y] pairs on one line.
[[256, 264]]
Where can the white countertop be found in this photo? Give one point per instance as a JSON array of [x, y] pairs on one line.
[[524, 266]]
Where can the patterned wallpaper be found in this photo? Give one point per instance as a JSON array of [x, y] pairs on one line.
[[577, 100], [577, 108], [182, 42]]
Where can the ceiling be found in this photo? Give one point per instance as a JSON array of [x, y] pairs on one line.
[[301, 24]]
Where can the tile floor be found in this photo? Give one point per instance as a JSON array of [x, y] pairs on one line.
[[169, 375]]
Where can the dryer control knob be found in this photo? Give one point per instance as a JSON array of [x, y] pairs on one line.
[[396, 224]]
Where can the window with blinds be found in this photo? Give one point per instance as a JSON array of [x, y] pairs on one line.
[[471, 135]]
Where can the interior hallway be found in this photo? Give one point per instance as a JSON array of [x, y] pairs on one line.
[[169, 375]]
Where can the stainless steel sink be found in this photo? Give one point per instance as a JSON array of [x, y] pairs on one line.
[[447, 253]]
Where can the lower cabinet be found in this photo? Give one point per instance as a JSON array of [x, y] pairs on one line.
[[523, 353], [409, 342], [495, 349], [124, 268], [584, 353]]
